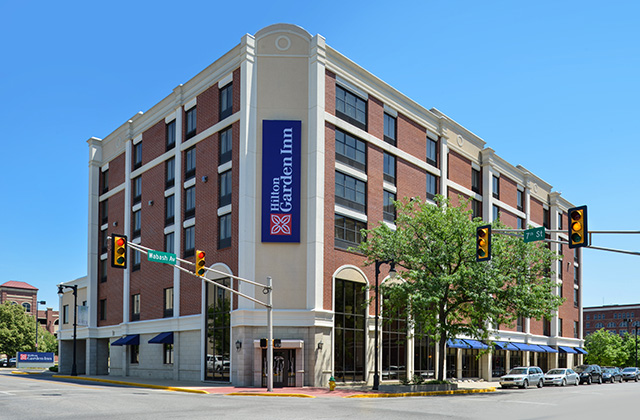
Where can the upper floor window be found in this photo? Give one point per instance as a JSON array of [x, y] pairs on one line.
[[224, 231], [103, 270], [351, 108], [496, 212], [169, 243], [546, 218], [103, 309], [226, 101], [476, 209], [350, 192], [575, 298], [496, 187], [520, 199], [560, 218], [104, 211], [224, 194], [389, 129], [137, 155], [136, 261], [65, 314], [171, 135], [432, 152], [389, 167], [476, 181], [521, 224], [191, 123], [169, 209], [190, 202], [190, 167], [135, 307], [432, 186], [27, 307], [189, 241], [168, 302], [225, 146], [170, 173], [137, 223], [389, 209], [137, 190], [105, 181], [351, 150], [347, 231]]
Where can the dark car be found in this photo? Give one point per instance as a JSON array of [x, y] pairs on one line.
[[589, 374], [630, 374], [611, 374], [12, 362]]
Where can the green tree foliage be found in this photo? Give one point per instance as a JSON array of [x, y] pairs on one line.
[[47, 342], [444, 292], [629, 344], [605, 349], [17, 329]]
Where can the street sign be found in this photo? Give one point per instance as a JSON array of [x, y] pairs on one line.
[[535, 234], [161, 257]]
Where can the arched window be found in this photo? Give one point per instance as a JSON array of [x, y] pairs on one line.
[[27, 307], [611, 325], [349, 350]]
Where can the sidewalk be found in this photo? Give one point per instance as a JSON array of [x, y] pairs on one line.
[[226, 389]]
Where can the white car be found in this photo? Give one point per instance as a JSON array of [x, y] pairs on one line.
[[523, 377], [561, 377]]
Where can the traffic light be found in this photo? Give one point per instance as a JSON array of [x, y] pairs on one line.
[[277, 343], [578, 233], [263, 343], [118, 251], [200, 263], [483, 243]]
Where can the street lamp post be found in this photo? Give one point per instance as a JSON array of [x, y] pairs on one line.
[[74, 287], [392, 274], [38, 302], [636, 334]]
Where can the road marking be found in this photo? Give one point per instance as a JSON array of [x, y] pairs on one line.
[[529, 402]]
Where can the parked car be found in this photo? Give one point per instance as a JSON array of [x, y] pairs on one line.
[[561, 377], [3, 362], [630, 374], [589, 374], [12, 362], [611, 374], [523, 377]]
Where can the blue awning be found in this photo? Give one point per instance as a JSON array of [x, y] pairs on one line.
[[565, 349], [528, 347], [128, 340], [163, 338], [580, 350], [547, 348], [505, 345], [475, 344], [455, 343]]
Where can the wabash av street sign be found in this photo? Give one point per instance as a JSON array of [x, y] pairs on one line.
[[281, 141]]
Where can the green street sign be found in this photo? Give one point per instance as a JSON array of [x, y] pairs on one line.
[[535, 234], [161, 257]]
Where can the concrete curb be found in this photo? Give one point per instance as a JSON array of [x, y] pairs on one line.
[[270, 394], [139, 385], [424, 394]]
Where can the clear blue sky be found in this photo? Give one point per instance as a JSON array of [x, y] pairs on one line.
[[553, 86]]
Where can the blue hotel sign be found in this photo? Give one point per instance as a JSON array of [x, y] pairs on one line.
[[281, 157]]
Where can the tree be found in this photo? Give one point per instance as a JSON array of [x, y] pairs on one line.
[[47, 342], [445, 293], [630, 346], [605, 348], [17, 329]]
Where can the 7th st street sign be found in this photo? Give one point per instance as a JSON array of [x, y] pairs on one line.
[[535, 234], [161, 257]]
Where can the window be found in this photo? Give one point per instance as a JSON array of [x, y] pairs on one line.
[[137, 223], [191, 123], [224, 235], [225, 146], [189, 241], [520, 324], [476, 181], [224, 188], [546, 218], [218, 342], [394, 347], [105, 181], [65, 314], [226, 101], [520, 199], [169, 210], [105, 240], [171, 135], [389, 129], [103, 309], [432, 186], [351, 108], [496, 187], [137, 155], [103, 270], [496, 212], [170, 173], [588, 317], [190, 167], [135, 354], [575, 298], [27, 307], [137, 190], [168, 353], [389, 209], [389, 167], [347, 231], [168, 302], [575, 329], [104, 211], [599, 325], [476, 209], [560, 290], [135, 307], [560, 218], [521, 224], [169, 243], [432, 152], [576, 277], [351, 151], [190, 202], [349, 341], [350, 192], [546, 327], [136, 261], [560, 269]]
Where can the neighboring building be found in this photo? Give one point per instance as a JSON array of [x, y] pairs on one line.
[[271, 160], [617, 319], [26, 295]]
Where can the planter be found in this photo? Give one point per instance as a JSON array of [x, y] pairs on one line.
[[401, 389]]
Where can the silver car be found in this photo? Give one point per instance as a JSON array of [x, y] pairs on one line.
[[523, 377], [561, 377]]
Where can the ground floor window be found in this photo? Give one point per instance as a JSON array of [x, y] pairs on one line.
[[135, 353], [168, 353], [515, 359], [349, 348], [394, 350], [562, 360], [543, 361], [470, 363], [424, 357], [498, 363], [218, 344], [451, 362]]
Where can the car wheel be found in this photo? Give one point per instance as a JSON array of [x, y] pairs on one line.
[[589, 380], [636, 379], [525, 384], [577, 382], [564, 382], [600, 380], [540, 383]]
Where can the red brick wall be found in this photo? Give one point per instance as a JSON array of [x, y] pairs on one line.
[[536, 213], [154, 142], [508, 191], [459, 169], [412, 138]]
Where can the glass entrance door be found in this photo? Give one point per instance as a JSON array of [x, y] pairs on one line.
[[284, 364]]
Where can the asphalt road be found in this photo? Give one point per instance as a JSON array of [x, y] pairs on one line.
[[24, 397]]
